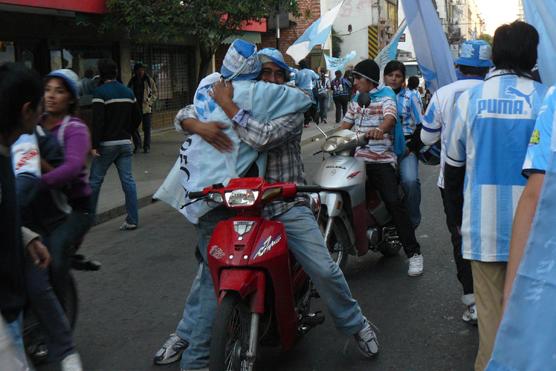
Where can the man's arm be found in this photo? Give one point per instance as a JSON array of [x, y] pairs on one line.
[[98, 121], [38, 252], [212, 132], [534, 167], [526, 208], [432, 122], [261, 136]]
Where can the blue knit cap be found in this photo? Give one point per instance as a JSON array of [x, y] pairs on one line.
[[241, 61], [475, 53], [69, 77]]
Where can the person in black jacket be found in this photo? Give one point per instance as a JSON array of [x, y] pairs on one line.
[[116, 116], [20, 95]]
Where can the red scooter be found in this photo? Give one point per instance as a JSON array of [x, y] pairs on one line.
[[264, 296]]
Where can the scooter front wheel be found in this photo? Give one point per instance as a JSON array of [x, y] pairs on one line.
[[337, 241], [230, 336]]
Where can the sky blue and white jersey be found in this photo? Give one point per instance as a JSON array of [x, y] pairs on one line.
[[493, 123], [538, 152], [438, 118], [409, 109]]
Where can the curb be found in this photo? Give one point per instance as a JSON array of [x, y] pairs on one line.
[[147, 200]]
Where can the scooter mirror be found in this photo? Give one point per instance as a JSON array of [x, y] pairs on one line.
[[363, 99]]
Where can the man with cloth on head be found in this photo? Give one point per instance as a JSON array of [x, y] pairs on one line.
[[281, 139], [472, 65]]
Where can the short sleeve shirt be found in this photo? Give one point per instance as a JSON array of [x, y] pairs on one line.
[[364, 119], [539, 149]]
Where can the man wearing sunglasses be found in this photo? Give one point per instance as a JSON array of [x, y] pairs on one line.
[[281, 139]]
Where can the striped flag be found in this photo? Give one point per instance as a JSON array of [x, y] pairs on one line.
[[431, 46], [390, 51], [316, 34], [540, 14]]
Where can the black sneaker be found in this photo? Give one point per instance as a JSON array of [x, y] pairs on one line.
[[171, 350]]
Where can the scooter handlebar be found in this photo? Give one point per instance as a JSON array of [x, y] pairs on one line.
[[194, 195], [309, 188]]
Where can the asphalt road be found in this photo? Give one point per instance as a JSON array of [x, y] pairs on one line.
[[131, 305]]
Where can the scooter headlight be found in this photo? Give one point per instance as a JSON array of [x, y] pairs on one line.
[[241, 197], [333, 144]]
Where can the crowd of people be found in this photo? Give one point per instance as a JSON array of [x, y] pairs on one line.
[[491, 125]]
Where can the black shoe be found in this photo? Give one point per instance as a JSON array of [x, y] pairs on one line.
[[134, 150], [146, 150]]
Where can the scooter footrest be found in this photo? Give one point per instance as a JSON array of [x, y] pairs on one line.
[[313, 319]]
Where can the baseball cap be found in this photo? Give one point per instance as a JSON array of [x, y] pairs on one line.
[[69, 77], [273, 55], [475, 53]]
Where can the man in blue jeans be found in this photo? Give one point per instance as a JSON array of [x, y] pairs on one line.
[[281, 138], [115, 116]]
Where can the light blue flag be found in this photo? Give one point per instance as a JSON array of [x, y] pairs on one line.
[[431, 47], [338, 64], [316, 34], [390, 51], [540, 14]]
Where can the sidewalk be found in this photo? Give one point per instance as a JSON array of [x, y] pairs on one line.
[[151, 169]]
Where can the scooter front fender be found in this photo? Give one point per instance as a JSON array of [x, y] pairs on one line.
[[334, 202], [246, 282]]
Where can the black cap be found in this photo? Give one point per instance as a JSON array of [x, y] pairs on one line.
[[368, 69]]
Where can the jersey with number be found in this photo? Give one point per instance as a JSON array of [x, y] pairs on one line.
[[437, 121], [539, 150], [492, 126]]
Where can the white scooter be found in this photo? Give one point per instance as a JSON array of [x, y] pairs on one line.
[[354, 219]]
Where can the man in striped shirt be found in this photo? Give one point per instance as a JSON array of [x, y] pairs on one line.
[[486, 148], [377, 118]]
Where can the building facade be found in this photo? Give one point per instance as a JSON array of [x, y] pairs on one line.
[[51, 34]]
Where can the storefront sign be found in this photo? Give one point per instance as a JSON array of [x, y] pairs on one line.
[[89, 6]]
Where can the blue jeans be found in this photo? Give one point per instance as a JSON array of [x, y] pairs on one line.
[[15, 331], [409, 173], [49, 311], [195, 327], [121, 156], [306, 242]]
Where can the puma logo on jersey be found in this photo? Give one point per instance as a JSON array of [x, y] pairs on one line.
[[510, 90]]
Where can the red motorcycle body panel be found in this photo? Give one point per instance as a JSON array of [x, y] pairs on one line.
[[241, 262]]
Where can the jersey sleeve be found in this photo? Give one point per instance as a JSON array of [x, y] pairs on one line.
[[457, 136], [538, 152], [432, 122]]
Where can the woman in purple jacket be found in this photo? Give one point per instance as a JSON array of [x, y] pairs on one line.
[[61, 98]]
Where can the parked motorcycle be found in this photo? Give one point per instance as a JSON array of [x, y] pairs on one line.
[[353, 217], [264, 296]]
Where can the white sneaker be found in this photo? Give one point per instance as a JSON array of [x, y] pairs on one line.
[[127, 226], [415, 265], [367, 341], [470, 314], [72, 363]]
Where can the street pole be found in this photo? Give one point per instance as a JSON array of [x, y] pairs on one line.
[[277, 29]]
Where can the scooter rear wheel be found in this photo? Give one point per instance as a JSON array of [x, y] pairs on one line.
[[230, 335]]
